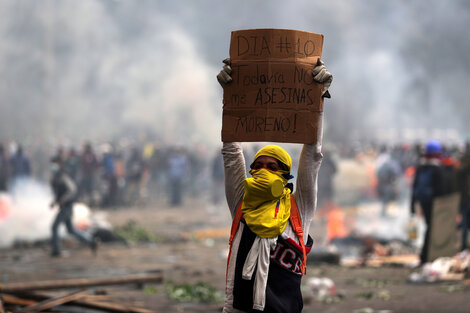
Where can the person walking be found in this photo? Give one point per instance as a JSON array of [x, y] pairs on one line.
[[427, 185], [65, 192]]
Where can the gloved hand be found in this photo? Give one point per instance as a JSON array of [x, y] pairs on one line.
[[224, 76], [322, 76]]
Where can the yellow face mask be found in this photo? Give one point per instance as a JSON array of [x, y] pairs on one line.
[[266, 203]]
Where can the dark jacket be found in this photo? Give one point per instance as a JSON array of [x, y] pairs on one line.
[[433, 169], [65, 190]]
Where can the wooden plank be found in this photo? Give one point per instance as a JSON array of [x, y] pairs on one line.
[[55, 301], [107, 306], [2, 309], [113, 307], [9, 299], [81, 282]]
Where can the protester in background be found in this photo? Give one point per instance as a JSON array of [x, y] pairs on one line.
[[217, 172], [4, 169], [326, 174], [463, 176], [388, 173], [255, 244], [65, 192], [427, 185], [72, 164], [177, 170], [134, 172], [449, 170], [88, 167], [20, 166], [120, 172], [109, 176]]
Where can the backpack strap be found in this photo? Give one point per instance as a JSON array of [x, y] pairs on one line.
[[233, 231], [296, 223]]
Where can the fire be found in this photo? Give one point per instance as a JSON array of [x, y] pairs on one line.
[[335, 226]]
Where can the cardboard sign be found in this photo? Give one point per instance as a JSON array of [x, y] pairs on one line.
[[444, 237], [273, 96]]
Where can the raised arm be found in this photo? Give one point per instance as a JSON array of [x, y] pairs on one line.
[[306, 187], [235, 173]]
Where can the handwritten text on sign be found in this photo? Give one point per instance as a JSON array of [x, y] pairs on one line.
[[273, 96]]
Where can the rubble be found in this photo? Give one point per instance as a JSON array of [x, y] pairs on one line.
[[443, 269], [323, 289]]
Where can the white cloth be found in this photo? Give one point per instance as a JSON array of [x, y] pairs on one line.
[[259, 256]]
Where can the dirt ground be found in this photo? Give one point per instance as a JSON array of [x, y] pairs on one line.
[[192, 247]]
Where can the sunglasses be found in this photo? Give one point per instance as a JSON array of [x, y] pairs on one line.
[[272, 166]]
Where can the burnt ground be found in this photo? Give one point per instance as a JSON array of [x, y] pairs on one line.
[[191, 247]]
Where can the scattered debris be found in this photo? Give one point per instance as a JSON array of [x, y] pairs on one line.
[[369, 251], [26, 297], [372, 283], [383, 294], [324, 255], [199, 292], [81, 282], [443, 269], [370, 310], [132, 232], [323, 290]]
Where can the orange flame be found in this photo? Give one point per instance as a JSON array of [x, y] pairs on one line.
[[335, 227]]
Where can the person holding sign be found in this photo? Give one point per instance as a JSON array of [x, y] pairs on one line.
[[269, 238]]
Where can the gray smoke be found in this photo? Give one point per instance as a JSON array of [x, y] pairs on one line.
[[99, 69]]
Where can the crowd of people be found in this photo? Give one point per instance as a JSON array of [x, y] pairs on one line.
[[109, 175]]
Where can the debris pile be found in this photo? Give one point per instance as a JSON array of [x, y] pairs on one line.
[[367, 251], [444, 269], [323, 289], [30, 297]]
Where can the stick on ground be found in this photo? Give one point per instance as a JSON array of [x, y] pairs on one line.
[[81, 282]]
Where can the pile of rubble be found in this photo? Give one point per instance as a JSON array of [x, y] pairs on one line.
[[444, 269]]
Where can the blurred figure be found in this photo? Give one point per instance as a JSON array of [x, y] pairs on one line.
[[157, 174], [72, 164], [326, 174], [65, 192], [134, 172], [120, 173], [109, 176], [427, 185], [449, 170], [20, 166], [388, 173], [463, 178], [4, 169], [217, 173], [177, 170], [88, 167]]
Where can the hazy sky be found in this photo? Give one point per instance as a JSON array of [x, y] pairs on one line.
[[100, 69]]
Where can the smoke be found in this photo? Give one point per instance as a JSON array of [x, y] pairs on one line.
[[97, 69], [26, 216]]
